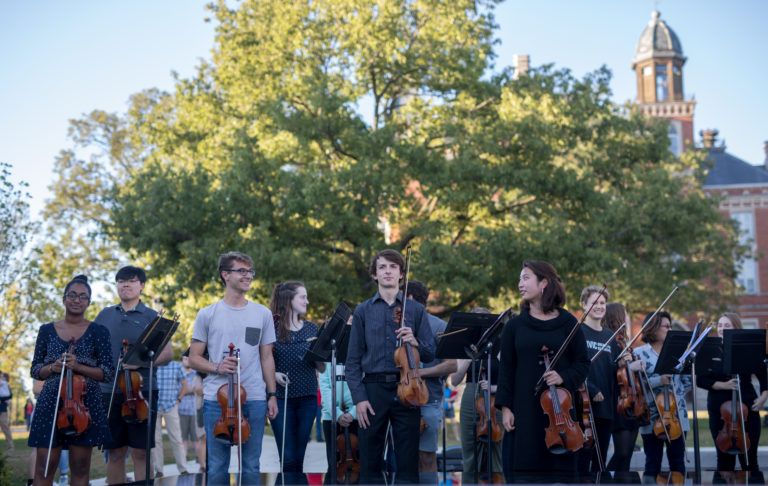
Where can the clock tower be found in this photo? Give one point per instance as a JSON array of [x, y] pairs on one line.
[[658, 65]]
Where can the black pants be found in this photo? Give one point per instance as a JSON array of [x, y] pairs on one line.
[[330, 438], [623, 447], [405, 430], [588, 457]]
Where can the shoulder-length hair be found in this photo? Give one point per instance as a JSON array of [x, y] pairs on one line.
[[614, 317], [734, 318], [553, 296], [649, 335], [280, 305]]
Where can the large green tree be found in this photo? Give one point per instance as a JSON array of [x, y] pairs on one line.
[[323, 131]]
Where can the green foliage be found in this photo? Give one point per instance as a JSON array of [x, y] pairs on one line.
[[323, 131]]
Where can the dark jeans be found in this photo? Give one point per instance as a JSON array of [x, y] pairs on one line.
[[654, 448], [299, 417], [405, 429]]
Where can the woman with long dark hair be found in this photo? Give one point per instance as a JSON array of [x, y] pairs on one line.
[[721, 388], [289, 306], [91, 358], [542, 327]]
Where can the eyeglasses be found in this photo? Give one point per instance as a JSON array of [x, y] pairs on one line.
[[81, 297], [121, 281], [242, 271]]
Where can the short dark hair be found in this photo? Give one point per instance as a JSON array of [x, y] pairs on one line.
[[418, 291], [79, 279], [392, 256], [553, 296], [649, 335], [129, 271], [226, 259]]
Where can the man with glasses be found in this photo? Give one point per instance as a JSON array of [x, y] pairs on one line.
[[127, 320], [250, 328]]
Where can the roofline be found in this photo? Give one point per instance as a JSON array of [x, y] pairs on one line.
[[731, 186]]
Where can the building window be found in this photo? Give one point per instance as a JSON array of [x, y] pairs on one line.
[[751, 323], [748, 267], [662, 83], [675, 134]]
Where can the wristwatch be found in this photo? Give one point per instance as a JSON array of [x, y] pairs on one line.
[[271, 394]]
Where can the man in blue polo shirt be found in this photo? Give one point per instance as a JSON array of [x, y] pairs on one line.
[[127, 320]]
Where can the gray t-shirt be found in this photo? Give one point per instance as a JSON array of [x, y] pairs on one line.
[[246, 327], [435, 385]]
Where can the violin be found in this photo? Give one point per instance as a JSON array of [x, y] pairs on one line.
[[481, 427], [347, 452], [667, 426], [134, 409], [562, 434], [731, 439], [631, 402], [73, 417], [586, 417], [232, 427], [411, 389]]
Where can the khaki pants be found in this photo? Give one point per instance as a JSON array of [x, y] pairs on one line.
[[5, 425], [173, 427]]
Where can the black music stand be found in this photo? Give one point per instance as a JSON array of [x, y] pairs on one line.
[[143, 354], [331, 346], [683, 353], [743, 354]]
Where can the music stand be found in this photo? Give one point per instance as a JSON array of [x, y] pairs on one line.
[[325, 349], [142, 354], [694, 353], [462, 328], [743, 355]]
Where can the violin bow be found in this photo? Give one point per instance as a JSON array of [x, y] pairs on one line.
[[239, 422], [567, 341], [741, 416], [55, 414], [405, 287], [647, 323]]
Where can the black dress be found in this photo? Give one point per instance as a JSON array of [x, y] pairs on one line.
[[521, 367], [92, 349]]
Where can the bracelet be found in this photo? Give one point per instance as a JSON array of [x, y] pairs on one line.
[[217, 367]]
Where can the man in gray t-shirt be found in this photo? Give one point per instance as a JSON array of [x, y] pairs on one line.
[[250, 328]]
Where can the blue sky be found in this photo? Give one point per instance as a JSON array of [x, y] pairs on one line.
[[63, 59]]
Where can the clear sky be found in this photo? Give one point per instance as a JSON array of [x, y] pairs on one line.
[[63, 59]]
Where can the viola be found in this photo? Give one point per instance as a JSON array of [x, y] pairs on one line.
[[73, 416], [134, 409], [411, 389], [667, 426], [347, 453], [481, 427], [562, 434], [731, 439], [231, 397]]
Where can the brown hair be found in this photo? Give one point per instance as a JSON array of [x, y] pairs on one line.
[[225, 262], [734, 318], [280, 305], [615, 313], [392, 256], [553, 295], [649, 335], [594, 289]]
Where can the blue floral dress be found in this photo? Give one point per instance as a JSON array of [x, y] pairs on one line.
[[92, 349]]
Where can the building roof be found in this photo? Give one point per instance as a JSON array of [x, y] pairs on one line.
[[657, 41], [729, 170]]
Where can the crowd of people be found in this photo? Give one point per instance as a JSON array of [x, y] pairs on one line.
[[256, 355]]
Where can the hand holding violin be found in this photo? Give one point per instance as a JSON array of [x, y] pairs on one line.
[[405, 334], [731, 384], [345, 419], [552, 377], [228, 365]]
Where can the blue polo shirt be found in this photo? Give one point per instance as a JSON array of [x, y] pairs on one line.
[[126, 325]]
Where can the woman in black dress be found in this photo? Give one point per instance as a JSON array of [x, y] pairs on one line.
[[542, 322], [720, 388], [91, 358]]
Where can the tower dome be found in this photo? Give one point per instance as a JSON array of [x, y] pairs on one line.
[[658, 41]]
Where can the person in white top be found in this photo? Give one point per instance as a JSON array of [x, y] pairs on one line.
[[250, 328]]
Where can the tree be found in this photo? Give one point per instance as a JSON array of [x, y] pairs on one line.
[[323, 131]]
